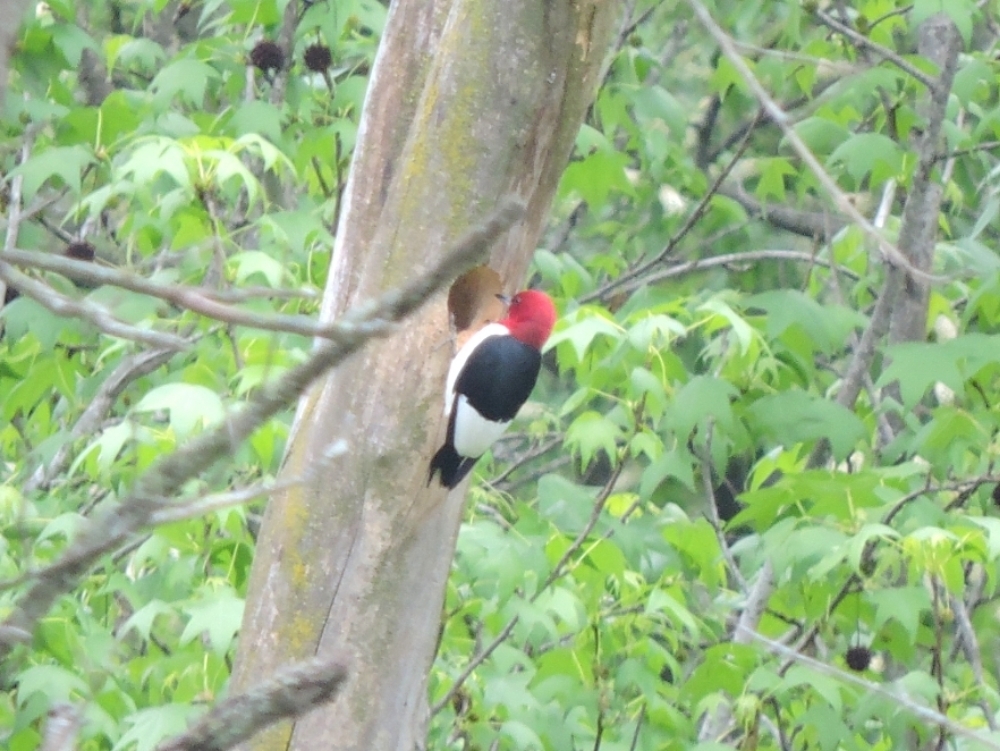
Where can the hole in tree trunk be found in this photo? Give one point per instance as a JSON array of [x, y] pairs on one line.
[[473, 302]]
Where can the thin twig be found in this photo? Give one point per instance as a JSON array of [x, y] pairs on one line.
[[205, 302], [85, 310], [886, 53], [181, 510], [748, 257], [692, 218], [129, 369], [638, 726]]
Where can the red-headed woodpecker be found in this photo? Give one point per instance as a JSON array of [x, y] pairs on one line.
[[491, 376]]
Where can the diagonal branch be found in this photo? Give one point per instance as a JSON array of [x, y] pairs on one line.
[[862, 41], [202, 301], [129, 369], [901, 699], [292, 692], [164, 479], [84, 310]]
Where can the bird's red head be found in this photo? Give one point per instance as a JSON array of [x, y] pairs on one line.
[[530, 317]]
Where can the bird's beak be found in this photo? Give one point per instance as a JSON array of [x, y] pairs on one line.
[[504, 299]]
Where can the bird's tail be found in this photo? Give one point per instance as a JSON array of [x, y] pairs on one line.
[[452, 466]]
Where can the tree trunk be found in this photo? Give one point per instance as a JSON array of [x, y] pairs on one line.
[[469, 102]]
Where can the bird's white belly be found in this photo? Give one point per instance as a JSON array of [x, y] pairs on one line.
[[474, 434]]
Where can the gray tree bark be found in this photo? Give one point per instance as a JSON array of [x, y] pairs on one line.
[[469, 102]]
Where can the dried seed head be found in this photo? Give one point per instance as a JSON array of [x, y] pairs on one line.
[[858, 658], [81, 251], [318, 57], [267, 56]]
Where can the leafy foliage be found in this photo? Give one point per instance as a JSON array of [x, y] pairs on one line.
[[687, 433]]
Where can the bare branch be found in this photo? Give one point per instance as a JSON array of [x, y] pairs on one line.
[[205, 302], [167, 476], [178, 511], [61, 728], [862, 41], [889, 251], [715, 723], [129, 369], [689, 222], [939, 41], [87, 311], [858, 370], [736, 259], [902, 700], [290, 693], [821, 225]]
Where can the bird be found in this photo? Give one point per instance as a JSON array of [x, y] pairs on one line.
[[490, 378]]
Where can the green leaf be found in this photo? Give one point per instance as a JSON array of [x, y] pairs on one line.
[[599, 171], [218, 615], [822, 135], [826, 325], [725, 317], [905, 605], [918, 365], [251, 262], [148, 727], [698, 399], [582, 332], [257, 117], [797, 416], [155, 156], [590, 433], [185, 78], [66, 163], [972, 80], [726, 76], [826, 686], [662, 602], [678, 464], [57, 684], [867, 154], [772, 178], [566, 503], [141, 621], [190, 406], [71, 41], [521, 736]]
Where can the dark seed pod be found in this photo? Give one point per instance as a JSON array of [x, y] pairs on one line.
[[80, 251], [318, 57], [858, 658], [267, 56]]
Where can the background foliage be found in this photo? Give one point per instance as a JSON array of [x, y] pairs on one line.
[[686, 461]]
